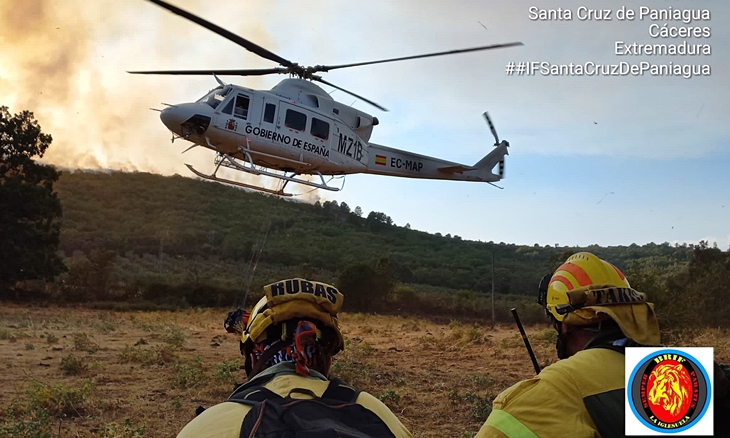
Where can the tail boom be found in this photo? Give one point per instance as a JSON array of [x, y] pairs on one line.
[[384, 160]]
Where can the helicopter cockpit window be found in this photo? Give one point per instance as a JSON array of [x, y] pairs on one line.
[[228, 109], [241, 108], [295, 120], [320, 128], [215, 97]]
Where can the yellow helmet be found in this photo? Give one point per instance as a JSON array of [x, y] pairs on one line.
[[586, 290], [580, 270], [290, 299]]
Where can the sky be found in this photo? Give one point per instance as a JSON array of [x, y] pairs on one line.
[[606, 160]]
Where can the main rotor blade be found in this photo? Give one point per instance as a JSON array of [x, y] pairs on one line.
[[248, 45], [249, 72], [318, 68], [317, 78]]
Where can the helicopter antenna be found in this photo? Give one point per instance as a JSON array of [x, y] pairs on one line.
[[223, 84], [495, 185]]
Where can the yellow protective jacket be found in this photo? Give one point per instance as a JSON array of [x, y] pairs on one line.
[[581, 396], [224, 420]]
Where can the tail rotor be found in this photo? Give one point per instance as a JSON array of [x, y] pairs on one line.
[[491, 128], [496, 143]]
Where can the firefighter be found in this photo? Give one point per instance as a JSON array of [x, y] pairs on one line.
[[596, 314], [288, 342]]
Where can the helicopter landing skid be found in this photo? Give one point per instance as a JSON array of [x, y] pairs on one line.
[[229, 162], [236, 183]]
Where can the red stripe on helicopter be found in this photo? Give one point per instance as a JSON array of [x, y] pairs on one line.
[[380, 159]]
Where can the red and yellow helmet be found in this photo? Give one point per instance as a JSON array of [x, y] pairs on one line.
[[586, 290], [581, 270]]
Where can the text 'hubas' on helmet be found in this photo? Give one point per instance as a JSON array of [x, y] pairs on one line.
[[291, 299], [586, 290]]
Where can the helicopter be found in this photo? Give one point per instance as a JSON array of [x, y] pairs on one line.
[[297, 129]]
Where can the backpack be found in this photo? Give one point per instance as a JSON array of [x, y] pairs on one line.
[[333, 415], [722, 397]]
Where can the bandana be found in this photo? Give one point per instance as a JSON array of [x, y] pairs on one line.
[[303, 350]]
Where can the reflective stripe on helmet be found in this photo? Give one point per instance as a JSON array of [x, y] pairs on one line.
[[508, 425]]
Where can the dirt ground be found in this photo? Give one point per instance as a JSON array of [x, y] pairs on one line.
[[87, 373]]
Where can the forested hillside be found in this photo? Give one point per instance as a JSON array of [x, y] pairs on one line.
[[141, 213], [146, 240]]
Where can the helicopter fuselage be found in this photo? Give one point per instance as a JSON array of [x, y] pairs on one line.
[[292, 128], [297, 127]]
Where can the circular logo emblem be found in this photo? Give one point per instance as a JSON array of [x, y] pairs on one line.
[[669, 391]]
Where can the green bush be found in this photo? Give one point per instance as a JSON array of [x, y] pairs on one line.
[[189, 375], [224, 371], [83, 342], [73, 366], [175, 337], [58, 399], [124, 430]]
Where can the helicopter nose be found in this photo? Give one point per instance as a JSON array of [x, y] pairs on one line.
[[186, 119], [173, 117]]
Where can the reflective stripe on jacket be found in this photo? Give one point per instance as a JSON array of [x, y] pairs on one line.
[[582, 396], [224, 420]]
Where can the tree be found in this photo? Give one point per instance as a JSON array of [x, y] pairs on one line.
[[377, 220], [367, 288], [30, 211], [359, 286], [387, 277], [344, 208]]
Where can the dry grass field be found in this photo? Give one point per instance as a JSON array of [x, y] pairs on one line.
[[87, 373]]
